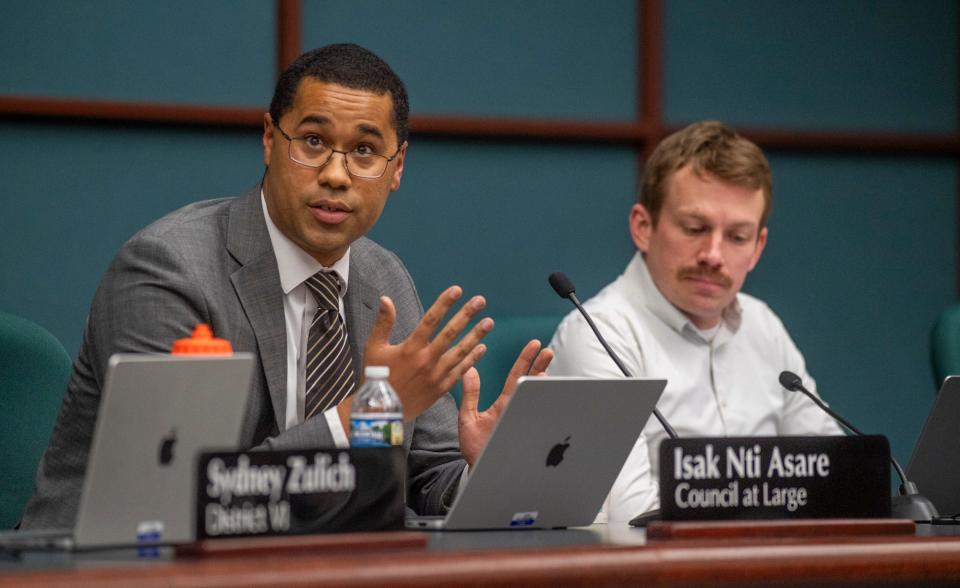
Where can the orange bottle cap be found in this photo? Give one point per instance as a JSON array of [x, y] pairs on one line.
[[202, 343]]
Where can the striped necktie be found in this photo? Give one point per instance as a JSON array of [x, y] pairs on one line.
[[329, 369]]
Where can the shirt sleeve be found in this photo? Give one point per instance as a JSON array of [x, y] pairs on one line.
[[336, 428]]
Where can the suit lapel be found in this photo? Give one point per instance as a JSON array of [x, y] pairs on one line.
[[257, 283], [360, 305]]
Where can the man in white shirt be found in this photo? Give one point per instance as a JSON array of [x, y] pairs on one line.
[[677, 311]]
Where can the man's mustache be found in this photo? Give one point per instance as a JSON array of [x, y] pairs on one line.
[[700, 273]]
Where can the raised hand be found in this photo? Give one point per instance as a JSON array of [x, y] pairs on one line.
[[475, 426], [423, 367]]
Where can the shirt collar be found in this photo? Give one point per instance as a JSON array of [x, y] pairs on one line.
[[296, 265], [649, 295]]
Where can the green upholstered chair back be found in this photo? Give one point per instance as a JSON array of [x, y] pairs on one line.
[[34, 368], [945, 345], [510, 333]]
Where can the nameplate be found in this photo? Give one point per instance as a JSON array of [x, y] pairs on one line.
[[262, 493], [774, 478]]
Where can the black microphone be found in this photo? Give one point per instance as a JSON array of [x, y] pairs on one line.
[[564, 288], [910, 504]]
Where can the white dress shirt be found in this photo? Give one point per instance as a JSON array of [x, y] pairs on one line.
[[299, 307], [723, 382]]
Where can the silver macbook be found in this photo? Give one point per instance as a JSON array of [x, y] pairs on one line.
[[156, 413], [935, 465], [554, 454]]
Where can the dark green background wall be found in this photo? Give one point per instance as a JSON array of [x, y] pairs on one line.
[[862, 250]]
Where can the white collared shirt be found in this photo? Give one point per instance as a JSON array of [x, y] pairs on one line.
[[299, 307], [726, 384]]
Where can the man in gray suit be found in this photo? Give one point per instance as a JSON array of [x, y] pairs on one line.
[[334, 145]]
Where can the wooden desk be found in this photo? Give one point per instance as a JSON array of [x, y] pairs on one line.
[[596, 556]]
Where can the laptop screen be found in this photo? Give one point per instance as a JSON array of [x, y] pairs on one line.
[[935, 465]]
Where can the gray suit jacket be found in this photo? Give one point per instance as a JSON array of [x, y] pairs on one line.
[[212, 262]]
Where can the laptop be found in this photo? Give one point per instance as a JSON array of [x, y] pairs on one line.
[[935, 464], [553, 456], [156, 413]]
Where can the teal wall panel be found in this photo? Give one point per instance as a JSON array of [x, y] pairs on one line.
[[211, 52], [860, 261], [821, 64], [498, 218], [74, 194], [537, 58]]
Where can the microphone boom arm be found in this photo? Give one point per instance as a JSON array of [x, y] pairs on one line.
[[910, 503], [616, 359]]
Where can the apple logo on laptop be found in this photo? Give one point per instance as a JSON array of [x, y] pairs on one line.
[[165, 455], [556, 453]]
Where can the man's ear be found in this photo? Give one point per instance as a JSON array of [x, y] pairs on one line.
[[641, 225], [398, 170], [761, 243], [267, 138]]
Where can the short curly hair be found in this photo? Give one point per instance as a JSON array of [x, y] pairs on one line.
[[348, 65]]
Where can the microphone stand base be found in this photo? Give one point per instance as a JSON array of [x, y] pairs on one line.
[[643, 519], [915, 507]]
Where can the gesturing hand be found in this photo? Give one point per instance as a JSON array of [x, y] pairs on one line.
[[475, 426], [423, 369]]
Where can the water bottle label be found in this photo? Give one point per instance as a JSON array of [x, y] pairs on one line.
[[376, 431]]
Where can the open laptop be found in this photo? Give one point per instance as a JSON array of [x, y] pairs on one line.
[[156, 412], [935, 465], [553, 455]]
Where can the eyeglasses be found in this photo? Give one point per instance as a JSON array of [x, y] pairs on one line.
[[360, 162]]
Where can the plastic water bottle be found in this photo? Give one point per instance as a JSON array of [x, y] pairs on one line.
[[376, 417]]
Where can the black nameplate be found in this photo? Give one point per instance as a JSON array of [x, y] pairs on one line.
[[774, 478], [260, 493]]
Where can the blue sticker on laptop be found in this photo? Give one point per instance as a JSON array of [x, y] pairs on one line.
[[524, 519], [149, 534]]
